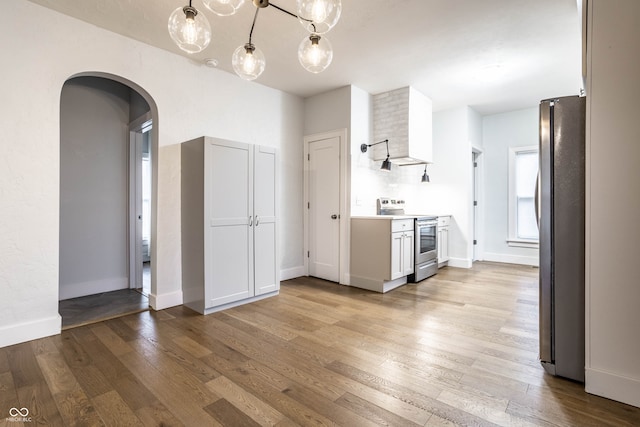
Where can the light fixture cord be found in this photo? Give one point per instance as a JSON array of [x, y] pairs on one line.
[[253, 24]]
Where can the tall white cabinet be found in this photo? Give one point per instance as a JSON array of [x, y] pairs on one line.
[[229, 226]]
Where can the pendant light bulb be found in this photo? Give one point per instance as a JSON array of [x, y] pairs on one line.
[[319, 16], [248, 62], [223, 7], [189, 29], [315, 53]]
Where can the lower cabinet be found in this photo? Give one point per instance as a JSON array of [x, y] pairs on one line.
[[382, 252], [443, 240], [402, 253], [229, 227]]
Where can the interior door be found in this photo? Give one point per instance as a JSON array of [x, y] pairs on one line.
[[264, 211], [324, 209], [135, 209]]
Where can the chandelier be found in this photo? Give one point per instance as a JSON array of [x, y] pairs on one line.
[[190, 30]]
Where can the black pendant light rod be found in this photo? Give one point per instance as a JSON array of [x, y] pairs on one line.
[[364, 147], [294, 15], [253, 24]]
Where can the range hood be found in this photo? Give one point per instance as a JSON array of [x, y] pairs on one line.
[[403, 116]]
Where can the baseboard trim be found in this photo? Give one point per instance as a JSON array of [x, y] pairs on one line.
[[75, 290], [611, 386], [292, 273], [162, 301], [510, 259], [27, 331], [460, 262]]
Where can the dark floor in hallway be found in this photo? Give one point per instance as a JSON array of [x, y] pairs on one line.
[[94, 308]]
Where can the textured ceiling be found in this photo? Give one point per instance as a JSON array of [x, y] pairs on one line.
[[493, 55]]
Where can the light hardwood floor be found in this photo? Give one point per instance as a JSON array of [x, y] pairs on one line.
[[457, 349]]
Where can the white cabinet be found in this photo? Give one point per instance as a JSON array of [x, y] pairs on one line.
[[382, 252], [229, 223], [402, 253], [443, 240]]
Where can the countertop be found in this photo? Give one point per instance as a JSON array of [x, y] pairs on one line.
[[392, 217]]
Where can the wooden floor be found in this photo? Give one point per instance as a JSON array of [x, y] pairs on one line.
[[457, 349]]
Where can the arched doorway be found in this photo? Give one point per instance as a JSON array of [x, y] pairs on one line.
[[107, 138]]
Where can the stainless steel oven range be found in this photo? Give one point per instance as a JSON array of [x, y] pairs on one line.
[[425, 235], [426, 255]]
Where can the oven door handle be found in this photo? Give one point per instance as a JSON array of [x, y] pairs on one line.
[[426, 223]]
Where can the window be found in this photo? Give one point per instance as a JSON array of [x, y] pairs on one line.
[[523, 171]]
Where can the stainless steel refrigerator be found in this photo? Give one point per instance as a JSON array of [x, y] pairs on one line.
[[561, 211]]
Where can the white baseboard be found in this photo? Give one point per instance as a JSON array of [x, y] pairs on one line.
[[27, 331], [75, 290], [162, 301], [511, 259], [460, 262], [611, 386], [292, 273]]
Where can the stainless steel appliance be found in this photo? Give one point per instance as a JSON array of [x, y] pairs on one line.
[[426, 255], [425, 236], [560, 206]]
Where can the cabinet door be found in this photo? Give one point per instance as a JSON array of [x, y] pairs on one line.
[[397, 261], [229, 235], [264, 227], [408, 249], [445, 244]]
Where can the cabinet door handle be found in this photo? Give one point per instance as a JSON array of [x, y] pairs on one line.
[[334, 216], [257, 220], [250, 221]]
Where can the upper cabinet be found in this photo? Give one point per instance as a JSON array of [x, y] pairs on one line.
[[404, 117]]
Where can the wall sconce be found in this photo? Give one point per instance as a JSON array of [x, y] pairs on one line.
[[386, 164], [425, 177]]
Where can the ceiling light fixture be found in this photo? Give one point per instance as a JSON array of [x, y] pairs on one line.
[[386, 164], [315, 53], [425, 177], [189, 29]]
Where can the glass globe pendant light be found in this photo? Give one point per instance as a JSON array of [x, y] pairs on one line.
[[248, 61], [319, 16], [223, 7], [315, 53], [189, 30]]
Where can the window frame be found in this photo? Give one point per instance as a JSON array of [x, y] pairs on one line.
[[512, 239]]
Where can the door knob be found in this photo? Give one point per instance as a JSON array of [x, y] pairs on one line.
[[334, 216]]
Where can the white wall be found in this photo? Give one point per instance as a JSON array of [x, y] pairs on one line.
[[501, 132], [613, 202], [94, 131], [327, 111], [450, 189], [30, 121]]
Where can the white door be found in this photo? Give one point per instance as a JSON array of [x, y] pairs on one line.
[[474, 166], [324, 209], [229, 238], [135, 209], [264, 222]]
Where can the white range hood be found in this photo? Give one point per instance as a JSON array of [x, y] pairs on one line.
[[403, 116]]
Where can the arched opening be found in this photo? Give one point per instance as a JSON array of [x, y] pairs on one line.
[[108, 189]]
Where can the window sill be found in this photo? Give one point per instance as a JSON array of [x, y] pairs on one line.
[[518, 243]]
